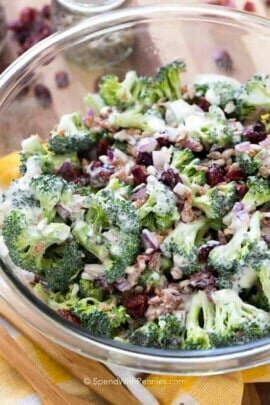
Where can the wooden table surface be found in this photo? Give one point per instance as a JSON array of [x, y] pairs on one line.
[[13, 6]]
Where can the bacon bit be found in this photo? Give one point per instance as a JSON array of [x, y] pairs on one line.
[[154, 261], [202, 280], [67, 314]]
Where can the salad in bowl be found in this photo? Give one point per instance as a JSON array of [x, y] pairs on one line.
[[147, 218]]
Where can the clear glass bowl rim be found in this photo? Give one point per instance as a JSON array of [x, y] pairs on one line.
[[213, 361]]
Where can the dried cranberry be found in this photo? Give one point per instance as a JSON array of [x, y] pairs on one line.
[[163, 141], [235, 174], [139, 174], [144, 158], [61, 79], [102, 147], [255, 133], [223, 60], [170, 177], [249, 6], [67, 314], [28, 15], [241, 190], [205, 249], [202, 280], [43, 95], [203, 104], [46, 11], [215, 174], [136, 304]]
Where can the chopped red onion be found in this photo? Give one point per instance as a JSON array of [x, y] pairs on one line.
[[63, 212], [139, 193], [147, 145], [243, 147], [123, 285], [150, 239], [265, 142]]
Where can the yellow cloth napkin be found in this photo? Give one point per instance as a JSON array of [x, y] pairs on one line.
[[217, 390]]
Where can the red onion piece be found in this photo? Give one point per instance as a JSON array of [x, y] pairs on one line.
[[147, 145], [139, 193], [123, 285], [63, 212], [243, 147], [149, 239]]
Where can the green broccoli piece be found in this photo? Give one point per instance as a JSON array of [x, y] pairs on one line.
[[258, 193], [61, 265], [30, 147], [181, 158], [20, 197], [224, 258], [253, 98], [108, 208], [149, 278], [87, 289], [217, 201], [216, 130], [119, 94], [71, 136], [218, 90], [167, 81], [47, 190], [249, 164], [164, 333], [263, 271], [160, 210], [101, 319], [237, 322], [181, 245], [115, 249], [28, 243], [94, 101], [199, 323]]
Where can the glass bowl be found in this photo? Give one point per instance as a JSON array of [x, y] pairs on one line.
[[157, 34]]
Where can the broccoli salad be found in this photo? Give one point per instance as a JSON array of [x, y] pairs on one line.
[[147, 219]]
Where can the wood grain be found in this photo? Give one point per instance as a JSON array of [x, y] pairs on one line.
[[79, 366]]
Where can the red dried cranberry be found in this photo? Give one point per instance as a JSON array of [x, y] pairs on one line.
[[235, 174], [223, 60], [203, 104], [102, 147], [249, 6], [43, 95], [139, 174], [163, 141], [67, 314], [170, 178], [61, 79], [255, 133], [215, 175], [205, 249], [46, 11], [144, 158], [136, 304], [28, 15], [82, 180], [267, 3], [241, 190]]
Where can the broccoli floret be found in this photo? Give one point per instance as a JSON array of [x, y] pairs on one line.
[[164, 333], [47, 189], [237, 322], [181, 245], [217, 201], [108, 208], [249, 164], [167, 82], [253, 98], [258, 193], [181, 158], [94, 102], [87, 289], [216, 130], [102, 319], [61, 265], [115, 249], [199, 323], [224, 258], [218, 90], [263, 270], [28, 243], [71, 136], [30, 147], [135, 119], [160, 210], [149, 278], [116, 93], [19, 197]]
